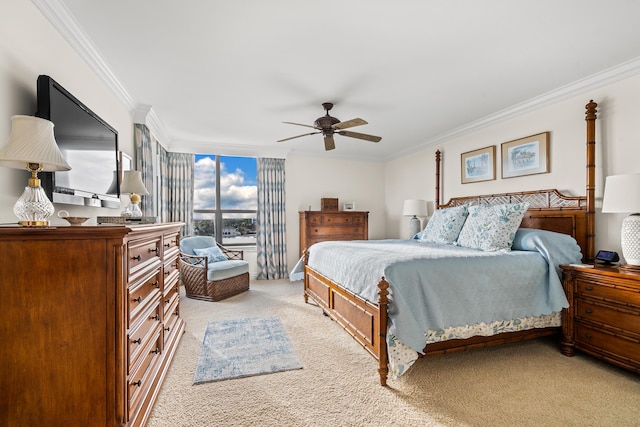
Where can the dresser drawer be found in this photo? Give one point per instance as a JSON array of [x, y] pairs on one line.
[[350, 232], [171, 272], [616, 317], [171, 241], [337, 219], [144, 376], [171, 316], [142, 254], [147, 323], [607, 292], [616, 345], [141, 292]]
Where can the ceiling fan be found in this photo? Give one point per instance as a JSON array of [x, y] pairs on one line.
[[328, 126]]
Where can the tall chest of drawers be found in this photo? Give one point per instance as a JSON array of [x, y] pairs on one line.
[[603, 318], [91, 321], [320, 226]]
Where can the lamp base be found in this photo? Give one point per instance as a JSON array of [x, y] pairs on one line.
[[630, 239], [414, 226], [33, 208], [34, 223]]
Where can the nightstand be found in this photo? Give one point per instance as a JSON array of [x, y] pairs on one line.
[[603, 318]]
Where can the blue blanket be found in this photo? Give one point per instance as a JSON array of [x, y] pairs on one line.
[[436, 286]]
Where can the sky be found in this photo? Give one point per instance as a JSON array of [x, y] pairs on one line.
[[238, 188]]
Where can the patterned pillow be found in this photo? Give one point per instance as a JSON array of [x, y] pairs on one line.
[[213, 254], [444, 226], [492, 228]]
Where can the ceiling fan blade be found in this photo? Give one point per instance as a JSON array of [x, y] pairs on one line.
[[350, 123], [329, 143], [298, 136], [364, 136], [300, 124]]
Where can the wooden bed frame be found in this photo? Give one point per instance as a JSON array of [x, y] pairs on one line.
[[366, 321]]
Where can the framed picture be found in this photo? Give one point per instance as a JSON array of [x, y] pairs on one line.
[[526, 156], [348, 206], [478, 165], [126, 163]]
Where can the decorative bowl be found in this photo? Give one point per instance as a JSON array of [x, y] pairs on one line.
[[72, 220]]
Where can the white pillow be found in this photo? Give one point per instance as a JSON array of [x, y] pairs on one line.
[[444, 226], [492, 228]]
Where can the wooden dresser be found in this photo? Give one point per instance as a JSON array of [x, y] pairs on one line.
[[603, 319], [319, 226], [90, 322]]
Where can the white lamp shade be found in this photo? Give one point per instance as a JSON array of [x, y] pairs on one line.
[[132, 183], [32, 141], [414, 207], [622, 194]]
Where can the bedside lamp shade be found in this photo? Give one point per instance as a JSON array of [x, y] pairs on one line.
[[622, 195], [32, 146], [414, 208], [132, 184]]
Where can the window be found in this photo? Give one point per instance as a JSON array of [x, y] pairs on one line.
[[225, 198]]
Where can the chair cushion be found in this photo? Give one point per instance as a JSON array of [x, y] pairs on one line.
[[225, 269], [188, 244]]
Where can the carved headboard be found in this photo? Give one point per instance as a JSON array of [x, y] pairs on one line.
[[549, 209]]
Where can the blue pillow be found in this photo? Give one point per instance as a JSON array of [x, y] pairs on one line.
[[444, 226], [492, 227], [213, 254]]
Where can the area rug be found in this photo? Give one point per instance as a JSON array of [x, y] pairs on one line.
[[244, 347]]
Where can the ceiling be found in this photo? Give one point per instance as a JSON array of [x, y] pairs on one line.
[[221, 76]]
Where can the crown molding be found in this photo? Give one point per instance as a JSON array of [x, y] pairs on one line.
[[58, 14], [611, 75]]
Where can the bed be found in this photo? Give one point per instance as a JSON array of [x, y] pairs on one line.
[[367, 319]]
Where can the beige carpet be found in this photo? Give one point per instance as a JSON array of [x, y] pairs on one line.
[[523, 384]]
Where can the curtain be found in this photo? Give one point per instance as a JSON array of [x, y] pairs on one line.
[[271, 243], [143, 139], [176, 188]]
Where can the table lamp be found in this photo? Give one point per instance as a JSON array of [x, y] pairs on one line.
[[414, 208], [132, 184], [32, 146], [622, 195]]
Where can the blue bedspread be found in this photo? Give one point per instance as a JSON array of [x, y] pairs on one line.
[[437, 286]]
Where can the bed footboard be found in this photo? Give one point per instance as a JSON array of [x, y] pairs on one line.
[[365, 321]]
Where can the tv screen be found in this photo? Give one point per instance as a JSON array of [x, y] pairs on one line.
[[88, 144]]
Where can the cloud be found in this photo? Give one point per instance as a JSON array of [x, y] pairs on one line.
[[234, 193]]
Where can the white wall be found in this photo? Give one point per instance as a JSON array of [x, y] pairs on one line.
[[617, 152], [30, 46], [309, 179]]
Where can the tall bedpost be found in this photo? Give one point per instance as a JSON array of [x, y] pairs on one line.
[[383, 357], [591, 178], [438, 156]]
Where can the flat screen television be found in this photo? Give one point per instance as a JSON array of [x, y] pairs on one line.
[[88, 144]]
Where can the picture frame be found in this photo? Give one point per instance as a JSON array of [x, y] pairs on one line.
[[478, 165], [349, 206], [126, 163], [525, 156]]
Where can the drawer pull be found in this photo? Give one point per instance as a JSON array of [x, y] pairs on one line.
[[175, 313], [166, 245], [138, 299], [588, 311], [588, 288], [166, 273], [138, 341], [156, 284], [154, 250], [137, 383], [136, 258], [167, 301], [156, 351], [168, 328], [587, 336], [154, 317]]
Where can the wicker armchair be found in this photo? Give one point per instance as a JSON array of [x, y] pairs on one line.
[[213, 281]]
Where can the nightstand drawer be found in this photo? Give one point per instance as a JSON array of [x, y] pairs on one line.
[[620, 318], [607, 292], [616, 345]]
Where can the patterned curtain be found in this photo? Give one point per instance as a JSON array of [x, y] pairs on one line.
[[143, 139], [176, 188], [271, 237]]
